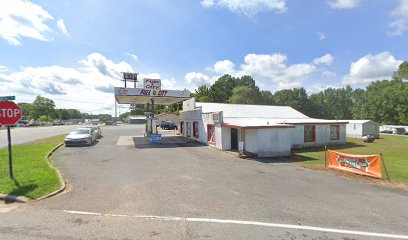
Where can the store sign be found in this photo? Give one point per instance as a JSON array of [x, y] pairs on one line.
[[217, 117], [130, 76], [369, 165], [152, 84]]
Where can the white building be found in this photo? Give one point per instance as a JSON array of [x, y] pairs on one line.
[[359, 128], [393, 127], [264, 130]]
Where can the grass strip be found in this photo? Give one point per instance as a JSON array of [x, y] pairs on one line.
[[33, 176], [393, 148]]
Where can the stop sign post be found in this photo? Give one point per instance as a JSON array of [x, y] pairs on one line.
[[10, 114]]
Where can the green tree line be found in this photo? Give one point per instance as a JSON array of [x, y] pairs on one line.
[[43, 109], [384, 101]]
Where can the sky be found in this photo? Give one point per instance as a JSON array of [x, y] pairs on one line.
[[73, 51]]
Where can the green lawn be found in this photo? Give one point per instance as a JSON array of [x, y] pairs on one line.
[[33, 176], [393, 148]]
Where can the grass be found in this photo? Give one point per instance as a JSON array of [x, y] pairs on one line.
[[33, 176], [393, 148]]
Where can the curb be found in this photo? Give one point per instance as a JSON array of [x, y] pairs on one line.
[[61, 179]]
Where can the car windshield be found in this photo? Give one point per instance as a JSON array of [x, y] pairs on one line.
[[81, 131]]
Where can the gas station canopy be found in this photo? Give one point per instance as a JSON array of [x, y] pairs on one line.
[[144, 96]]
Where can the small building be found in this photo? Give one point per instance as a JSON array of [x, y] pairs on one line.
[[268, 131], [135, 119], [169, 116], [360, 128]]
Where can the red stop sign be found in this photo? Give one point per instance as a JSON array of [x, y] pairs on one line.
[[10, 113]]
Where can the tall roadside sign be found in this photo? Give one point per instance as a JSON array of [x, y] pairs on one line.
[[10, 114]]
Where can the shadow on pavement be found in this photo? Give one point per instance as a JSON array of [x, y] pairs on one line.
[[167, 142]]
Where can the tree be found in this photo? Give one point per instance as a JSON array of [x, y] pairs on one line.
[[296, 98], [387, 101], [221, 90], [332, 103], [27, 109], [43, 107], [266, 98], [402, 72], [244, 95], [202, 94]]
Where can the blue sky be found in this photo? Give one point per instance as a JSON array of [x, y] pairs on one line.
[[74, 51]]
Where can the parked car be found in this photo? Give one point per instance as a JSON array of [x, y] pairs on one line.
[[97, 129], [168, 125], [386, 131], [399, 130], [81, 136]]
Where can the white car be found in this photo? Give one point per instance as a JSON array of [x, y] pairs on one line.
[[97, 129], [81, 136]]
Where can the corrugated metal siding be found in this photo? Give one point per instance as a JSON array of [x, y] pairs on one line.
[[322, 136]]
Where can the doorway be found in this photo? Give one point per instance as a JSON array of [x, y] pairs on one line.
[[234, 139]]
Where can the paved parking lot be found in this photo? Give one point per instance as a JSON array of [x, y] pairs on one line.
[[123, 187]]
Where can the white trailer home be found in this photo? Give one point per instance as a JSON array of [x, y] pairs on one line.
[[267, 131], [360, 128]]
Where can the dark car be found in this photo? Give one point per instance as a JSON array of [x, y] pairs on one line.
[[386, 131], [168, 125]]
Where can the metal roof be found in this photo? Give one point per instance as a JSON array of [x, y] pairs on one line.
[[251, 111], [277, 122], [358, 121]]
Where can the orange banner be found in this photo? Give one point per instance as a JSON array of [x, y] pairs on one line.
[[369, 165]]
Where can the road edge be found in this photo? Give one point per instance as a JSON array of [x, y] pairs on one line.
[[60, 178]]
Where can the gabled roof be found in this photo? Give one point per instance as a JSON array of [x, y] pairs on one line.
[[251, 111]]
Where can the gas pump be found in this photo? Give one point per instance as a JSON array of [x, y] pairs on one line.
[[151, 127]]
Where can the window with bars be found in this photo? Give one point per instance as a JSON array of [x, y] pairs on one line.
[[310, 133], [195, 129], [334, 132]]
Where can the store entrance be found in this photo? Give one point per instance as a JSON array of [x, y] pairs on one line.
[[234, 139]]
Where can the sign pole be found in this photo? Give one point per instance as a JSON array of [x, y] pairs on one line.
[[325, 156], [385, 168], [10, 153]]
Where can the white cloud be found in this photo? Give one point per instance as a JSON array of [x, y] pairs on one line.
[[326, 59], [400, 25], [198, 79], [20, 18], [266, 69], [168, 83], [321, 35], [133, 56], [248, 7], [224, 67], [316, 88], [61, 26], [3, 69], [344, 4], [371, 68], [87, 87], [328, 74], [273, 67]]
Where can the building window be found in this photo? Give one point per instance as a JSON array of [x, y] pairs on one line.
[[354, 126], [334, 132], [310, 133], [188, 128], [211, 133], [181, 127], [195, 129]]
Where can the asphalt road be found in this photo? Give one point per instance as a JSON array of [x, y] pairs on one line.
[[27, 134], [125, 188]]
